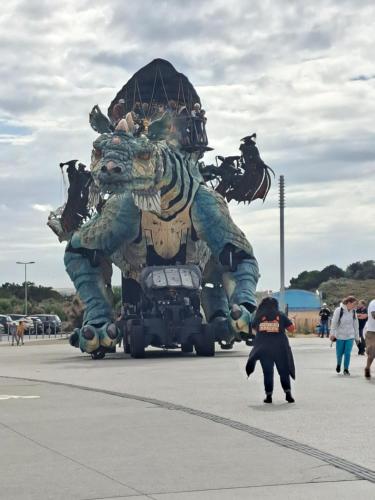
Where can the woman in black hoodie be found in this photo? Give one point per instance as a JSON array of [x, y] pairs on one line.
[[271, 347]]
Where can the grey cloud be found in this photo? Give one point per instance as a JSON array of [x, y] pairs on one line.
[[124, 59], [317, 39], [362, 78], [21, 103], [36, 11]]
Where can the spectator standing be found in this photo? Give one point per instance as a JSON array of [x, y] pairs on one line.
[[13, 332], [324, 314], [362, 319], [345, 329], [370, 338], [118, 111], [20, 332], [271, 347]]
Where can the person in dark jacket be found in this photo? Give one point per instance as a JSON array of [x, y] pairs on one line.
[[324, 314], [271, 347], [362, 319]]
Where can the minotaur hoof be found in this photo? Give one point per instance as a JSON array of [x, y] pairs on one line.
[[108, 335], [74, 338], [89, 339], [88, 333], [112, 331]]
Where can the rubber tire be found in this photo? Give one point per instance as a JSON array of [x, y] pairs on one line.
[[125, 343], [187, 347], [226, 347], [137, 342], [126, 348], [98, 355], [204, 343]]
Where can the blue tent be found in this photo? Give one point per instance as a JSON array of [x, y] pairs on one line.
[[300, 300]]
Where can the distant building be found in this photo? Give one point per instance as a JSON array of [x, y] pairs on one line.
[[300, 300]]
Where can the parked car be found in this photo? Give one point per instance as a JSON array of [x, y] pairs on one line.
[[38, 324], [51, 322], [30, 324], [5, 322], [2, 330]]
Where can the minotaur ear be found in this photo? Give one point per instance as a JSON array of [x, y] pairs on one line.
[[99, 122], [160, 129]]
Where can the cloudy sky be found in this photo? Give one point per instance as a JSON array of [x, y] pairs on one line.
[[299, 73]]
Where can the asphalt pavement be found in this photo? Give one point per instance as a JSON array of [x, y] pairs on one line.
[[176, 426]]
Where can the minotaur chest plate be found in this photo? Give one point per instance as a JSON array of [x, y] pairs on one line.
[[166, 237], [162, 242]]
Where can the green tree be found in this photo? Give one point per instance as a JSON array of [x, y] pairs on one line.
[[5, 306], [307, 280], [361, 270], [34, 293], [331, 272]]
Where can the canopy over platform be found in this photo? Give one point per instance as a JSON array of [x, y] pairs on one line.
[[156, 83]]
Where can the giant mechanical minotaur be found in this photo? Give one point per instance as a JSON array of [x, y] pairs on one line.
[[149, 206]]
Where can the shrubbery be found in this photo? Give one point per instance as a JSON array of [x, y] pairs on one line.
[[311, 280], [41, 300]]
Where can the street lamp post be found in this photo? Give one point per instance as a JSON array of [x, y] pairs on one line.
[[26, 264], [282, 244]]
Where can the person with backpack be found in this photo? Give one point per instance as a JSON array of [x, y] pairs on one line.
[[271, 347], [344, 330]]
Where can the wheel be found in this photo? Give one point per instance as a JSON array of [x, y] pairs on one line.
[[187, 347], [226, 346], [98, 355], [125, 341], [137, 342], [204, 342]]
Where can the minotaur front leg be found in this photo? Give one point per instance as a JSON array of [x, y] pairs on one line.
[[240, 285], [213, 224], [85, 261], [88, 279]]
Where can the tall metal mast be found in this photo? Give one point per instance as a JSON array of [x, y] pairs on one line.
[[282, 243]]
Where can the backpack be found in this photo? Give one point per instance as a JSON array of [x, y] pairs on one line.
[[342, 312]]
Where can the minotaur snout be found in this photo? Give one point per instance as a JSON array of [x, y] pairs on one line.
[[111, 167]]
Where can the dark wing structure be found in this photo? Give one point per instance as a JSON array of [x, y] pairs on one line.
[[254, 184], [242, 178], [157, 82], [76, 208]]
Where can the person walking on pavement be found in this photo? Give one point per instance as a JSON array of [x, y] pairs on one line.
[[370, 338], [344, 329], [324, 314], [362, 319], [13, 332], [20, 332], [271, 346]]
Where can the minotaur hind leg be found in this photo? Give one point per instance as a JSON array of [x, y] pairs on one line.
[[84, 258], [228, 244], [214, 298]]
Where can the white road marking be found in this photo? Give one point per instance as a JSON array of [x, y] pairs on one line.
[[11, 396]]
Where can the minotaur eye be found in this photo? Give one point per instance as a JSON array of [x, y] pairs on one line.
[[96, 153], [144, 156]]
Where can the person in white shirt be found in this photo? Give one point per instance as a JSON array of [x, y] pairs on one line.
[[345, 329], [370, 337]]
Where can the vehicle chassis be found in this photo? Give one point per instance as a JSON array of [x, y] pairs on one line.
[[168, 313]]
